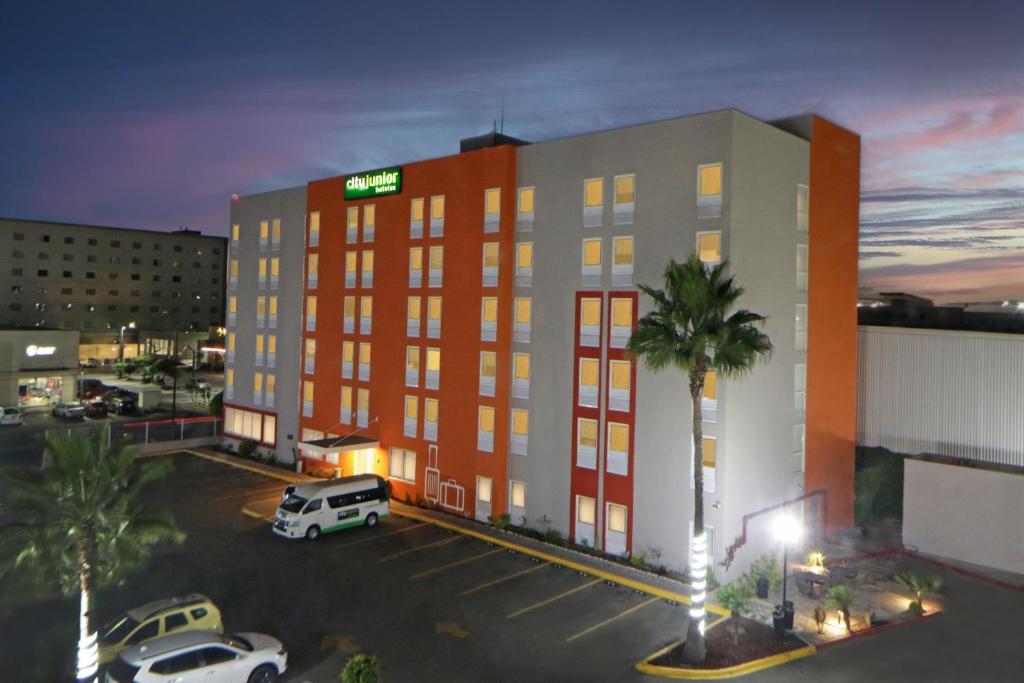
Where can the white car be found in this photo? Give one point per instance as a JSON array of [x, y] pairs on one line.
[[69, 411], [194, 656], [11, 416]]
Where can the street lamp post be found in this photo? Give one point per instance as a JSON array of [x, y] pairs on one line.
[[787, 530], [120, 353]]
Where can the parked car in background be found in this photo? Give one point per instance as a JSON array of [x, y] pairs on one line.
[[95, 408], [119, 402], [69, 411], [92, 388], [207, 657], [192, 612], [11, 416]]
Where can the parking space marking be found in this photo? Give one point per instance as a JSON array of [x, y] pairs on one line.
[[456, 563], [502, 579], [542, 603], [620, 615], [376, 536], [243, 494], [432, 544]]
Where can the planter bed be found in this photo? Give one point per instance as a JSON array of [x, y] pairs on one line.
[[757, 641]]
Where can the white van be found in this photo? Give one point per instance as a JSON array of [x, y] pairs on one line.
[[325, 506]]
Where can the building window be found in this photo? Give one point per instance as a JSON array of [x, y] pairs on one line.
[[362, 407], [367, 278], [229, 383], [801, 327], [520, 431], [799, 387], [437, 216], [620, 379], [618, 448], [710, 453], [275, 271], [264, 234], [232, 271], [364, 361], [524, 209], [431, 410], [310, 356], [314, 228], [622, 261], [586, 443], [271, 385], [409, 425], [261, 311], [262, 272], [312, 270], [517, 499], [521, 375], [586, 518], [490, 264], [709, 191], [590, 322], [433, 374], [272, 320], [625, 195], [592, 262], [436, 266], [271, 359], [369, 222], [523, 320], [346, 405], [416, 218], [709, 399], [412, 316], [803, 205], [366, 315], [489, 318], [484, 489], [352, 225], [798, 446], [349, 315], [593, 202], [69, 240], [488, 372], [275, 233], [615, 529], [622, 322], [415, 267], [348, 354], [709, 248], [402, 465], [589, 373], [492, 209], [524, 264], [412, 366], [801, 267], [257, 388], [433, 317], [485, 429]]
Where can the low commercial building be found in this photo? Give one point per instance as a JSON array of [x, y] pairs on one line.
[[37, 367], [467, 317]]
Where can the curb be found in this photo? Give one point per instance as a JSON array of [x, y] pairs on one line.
[[877, 629], [255, 515], [725, 672], [570, 564], [290, 478]]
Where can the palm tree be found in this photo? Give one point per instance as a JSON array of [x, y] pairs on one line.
[[920, 586], [690, 329], [79, 524]]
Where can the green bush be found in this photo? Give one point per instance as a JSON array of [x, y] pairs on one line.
[[361, 669], [736, 597], [766, 567], [841, 598], [878, 485], [247, 448], [502, 521], [553, 536]]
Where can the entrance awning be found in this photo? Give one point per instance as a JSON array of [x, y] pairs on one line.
[[340, 444]]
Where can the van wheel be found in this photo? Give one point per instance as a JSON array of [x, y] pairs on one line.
[[371, 519], [312, 533], [263, 674]]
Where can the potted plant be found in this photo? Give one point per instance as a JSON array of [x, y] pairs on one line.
[[736, 597], [841, 598], [919, 586], [765, 574]]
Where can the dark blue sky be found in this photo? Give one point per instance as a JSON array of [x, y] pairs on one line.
[[151, 115]]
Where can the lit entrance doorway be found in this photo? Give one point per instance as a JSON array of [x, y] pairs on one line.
[[363, 449]]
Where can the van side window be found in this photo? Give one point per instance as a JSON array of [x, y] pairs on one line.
[[313, 505], [199, 613], [174, 621], [148, 630]]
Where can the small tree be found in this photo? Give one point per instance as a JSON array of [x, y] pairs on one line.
[[736, 597], [361, 669], [920, 587], [131, 366], [165, 366], [841, 598]]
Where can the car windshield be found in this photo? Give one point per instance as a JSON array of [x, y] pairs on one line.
[[238, 642], [293, 503], [117, 632]]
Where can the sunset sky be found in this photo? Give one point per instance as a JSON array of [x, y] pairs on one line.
[[151, 115]]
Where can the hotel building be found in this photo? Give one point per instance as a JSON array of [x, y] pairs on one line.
[[465, 318]]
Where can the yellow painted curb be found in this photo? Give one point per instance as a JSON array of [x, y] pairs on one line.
[[255, 515], [592, 571], [718, 674], [282, 476]]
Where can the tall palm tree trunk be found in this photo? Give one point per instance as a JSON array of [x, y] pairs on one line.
[[695, 650], [88, 648]]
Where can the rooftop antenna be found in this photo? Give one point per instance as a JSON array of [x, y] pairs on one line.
[[502, 129]]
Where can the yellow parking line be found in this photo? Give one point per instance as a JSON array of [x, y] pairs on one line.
[[551, 600], [502, 579], [243, 494], [376, 536], [256, 515], [455, 564], [618, 616], [420, 547]]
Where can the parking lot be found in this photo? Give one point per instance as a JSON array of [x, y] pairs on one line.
[[441, 606]]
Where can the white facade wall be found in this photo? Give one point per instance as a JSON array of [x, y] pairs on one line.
[[953, 393]]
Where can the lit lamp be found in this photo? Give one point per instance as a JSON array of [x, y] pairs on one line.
[[787, 530], [129, 326]]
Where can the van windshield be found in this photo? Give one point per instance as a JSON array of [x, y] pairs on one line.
[[118, 631], [293, 503]]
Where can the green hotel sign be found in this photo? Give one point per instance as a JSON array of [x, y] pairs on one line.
[[374, 183]]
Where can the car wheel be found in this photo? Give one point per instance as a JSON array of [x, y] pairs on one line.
[[263, 674], [313, 533], [371, 519]]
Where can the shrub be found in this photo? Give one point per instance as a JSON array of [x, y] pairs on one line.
[[361, 669], [841, 598], [878, 485], [736, 598], [247, 448], [766, 567], [551, 535], [502, 521], [920, 587]]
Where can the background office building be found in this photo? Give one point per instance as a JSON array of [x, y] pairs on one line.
[[98, 279], [466, 318], [37, 367]]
